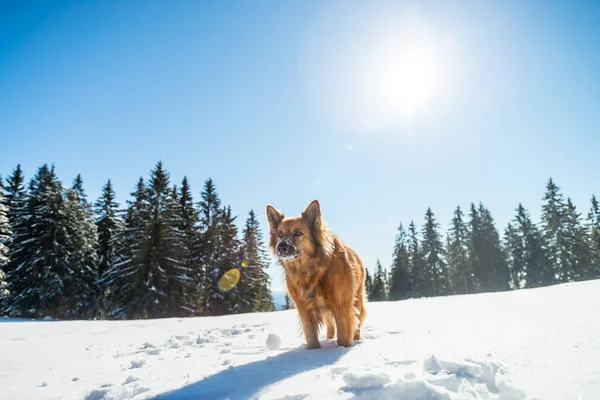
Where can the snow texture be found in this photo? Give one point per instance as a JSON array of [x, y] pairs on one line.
[[529, 344]]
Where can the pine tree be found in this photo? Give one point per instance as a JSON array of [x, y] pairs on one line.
[[229, 257], [39, 257], [289, 304], [257, 296], [493, 254], [188, 215], [5, 238], [528, 263], [461, 275], [110, 227], [80, 286], [125, 280], [210, 222], [400, 272], [433, 277], [578, 248], [15, 194], [593, 222], [150, 279], [368, 283], [487, 258], [15, 202], [378, 292], [554, 221], [415, 259], [515, 249]]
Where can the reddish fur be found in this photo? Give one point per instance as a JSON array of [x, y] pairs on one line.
[[327, 281]]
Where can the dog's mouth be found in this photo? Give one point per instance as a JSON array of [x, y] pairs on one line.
[[294, 256]]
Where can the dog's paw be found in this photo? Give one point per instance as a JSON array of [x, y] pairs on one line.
[[313, 346]]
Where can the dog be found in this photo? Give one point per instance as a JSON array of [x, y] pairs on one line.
[[324, 276]]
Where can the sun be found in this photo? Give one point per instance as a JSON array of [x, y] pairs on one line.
[[374, 66]]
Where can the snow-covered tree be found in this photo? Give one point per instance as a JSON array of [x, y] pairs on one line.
[[149, 279], [256, 295], [5, 238], [460, 273], [39, 256], [577, 245], [378, 290], [289, 304], [433, 276], [486, 255], [593, 222], [415, 258], [210, 230], [555, 237], [190, 257], [528, 263], [400, 270], [80, 288]]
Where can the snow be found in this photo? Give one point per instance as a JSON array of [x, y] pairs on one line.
[[528, 344], [273, 342]]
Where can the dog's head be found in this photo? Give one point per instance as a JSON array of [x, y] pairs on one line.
[[295, 237]]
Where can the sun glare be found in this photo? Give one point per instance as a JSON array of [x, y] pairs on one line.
[[374, 66]]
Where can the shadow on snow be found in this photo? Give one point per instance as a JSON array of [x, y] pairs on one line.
[[245, 381]]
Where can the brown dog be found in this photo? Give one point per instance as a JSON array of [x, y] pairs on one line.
[[324, 276]]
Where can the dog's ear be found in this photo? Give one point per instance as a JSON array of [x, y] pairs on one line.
[[274, 216], [312, 214]]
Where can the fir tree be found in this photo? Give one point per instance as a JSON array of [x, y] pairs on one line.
[[378, 292], [554, 221], [81, 290], [415, 259], [515, 249], [433, 277], [188, 215], [493, 254], [150, 278], [110, 228], [229, 256], [487, 259], [289, 304], [461, 275], [210, 224], [528, 262], [400, 272], [593, 222], [15, 194], [5, 237], [15, 202], [39, 256], [125, 280], [368, 283], [577, 243], [257, 296]]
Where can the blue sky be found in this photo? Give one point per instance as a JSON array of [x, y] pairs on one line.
[[227, 90]]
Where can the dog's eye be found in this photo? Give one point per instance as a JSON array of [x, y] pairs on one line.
[[297, 233], [280, 234]]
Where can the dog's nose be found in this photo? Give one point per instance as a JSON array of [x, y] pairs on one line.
[[284, 249]]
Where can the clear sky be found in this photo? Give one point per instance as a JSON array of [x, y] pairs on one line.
[[377, 109]]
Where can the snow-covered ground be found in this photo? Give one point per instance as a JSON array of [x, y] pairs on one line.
[[535, 344]]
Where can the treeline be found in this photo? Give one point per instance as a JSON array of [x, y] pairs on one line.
[[163, 255], [474, 257]]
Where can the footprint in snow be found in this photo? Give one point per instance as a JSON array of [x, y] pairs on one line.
[[137, 364]]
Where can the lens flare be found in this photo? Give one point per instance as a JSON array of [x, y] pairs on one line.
[[229, 280], [244, 263]]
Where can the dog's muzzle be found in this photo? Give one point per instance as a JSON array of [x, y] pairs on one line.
[[287, 250]]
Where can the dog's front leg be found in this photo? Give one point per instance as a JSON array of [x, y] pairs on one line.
[[310, 324]]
